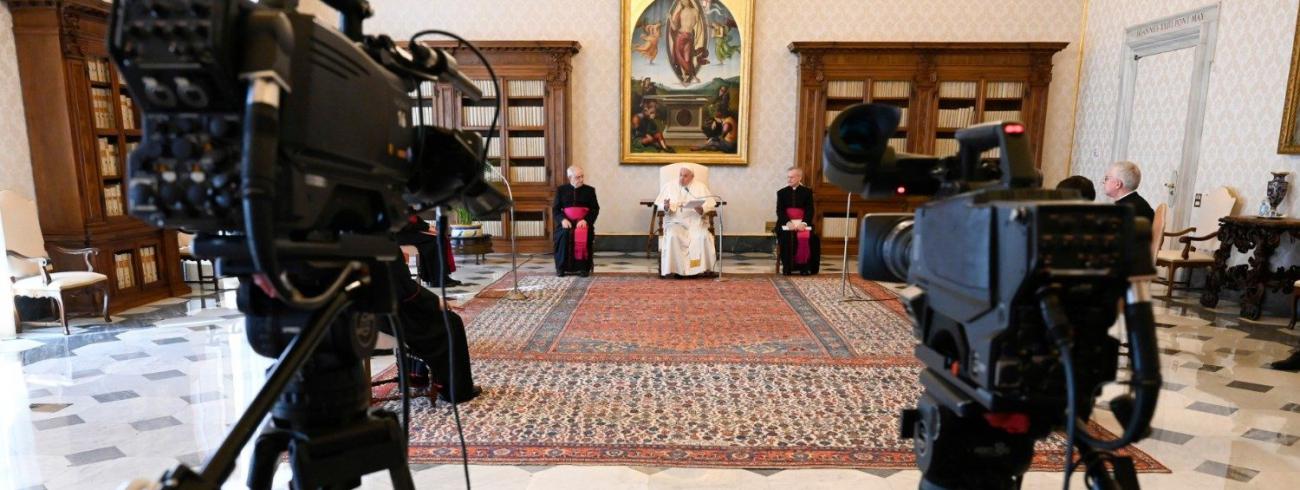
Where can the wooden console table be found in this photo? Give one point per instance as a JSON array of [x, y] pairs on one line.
[[1254, 278]]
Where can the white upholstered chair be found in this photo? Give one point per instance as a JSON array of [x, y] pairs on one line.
[[30, 265], [1197, 251]]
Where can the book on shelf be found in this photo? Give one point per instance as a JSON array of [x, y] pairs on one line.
[[892, 89], [956, 118], [113, 201], [945, 146], [101, 101], [525, 88], [527, 146], [902, 121], [486, 87], [1005, 90], [97, 70], [1001, 116], [898, 144], [830, 117], [422, 114], [993, 153], [123, 270], [107, 157], [528, 116], [424, 90], [529, 174], [148, 265], [494, 147], [127, 107], [530, 228], [845, 89], [478, 116], [492, 227], [958, 90], [492, 174], [839, 227]]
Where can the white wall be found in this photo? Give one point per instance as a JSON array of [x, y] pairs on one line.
[[1244, 104], [594, 23], [15, 155]]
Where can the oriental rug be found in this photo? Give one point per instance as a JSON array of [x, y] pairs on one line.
[[754, 371]]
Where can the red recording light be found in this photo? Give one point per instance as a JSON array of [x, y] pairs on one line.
[[1014, 128], [901, 190]]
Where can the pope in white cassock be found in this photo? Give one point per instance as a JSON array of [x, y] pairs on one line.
[[686, 246]]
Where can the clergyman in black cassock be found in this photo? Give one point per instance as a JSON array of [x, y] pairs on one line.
[[800, 249], [575, 212]]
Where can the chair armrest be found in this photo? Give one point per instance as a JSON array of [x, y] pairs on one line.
[[1190, 239], [1171, 234], [42, 264], [85, 254]]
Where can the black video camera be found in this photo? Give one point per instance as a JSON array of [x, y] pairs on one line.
[[292, 150], [1012, 291]]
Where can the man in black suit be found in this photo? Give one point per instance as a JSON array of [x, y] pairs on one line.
[[1121, 183]]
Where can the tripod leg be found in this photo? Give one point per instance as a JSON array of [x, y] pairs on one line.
[[266, 456]]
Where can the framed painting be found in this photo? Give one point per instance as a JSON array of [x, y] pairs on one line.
[[685, 81], [1289, 139]]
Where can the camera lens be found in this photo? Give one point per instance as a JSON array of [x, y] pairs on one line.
[[885, 247], [856, 144]]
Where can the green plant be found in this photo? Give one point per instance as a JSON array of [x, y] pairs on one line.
[[463, 216]]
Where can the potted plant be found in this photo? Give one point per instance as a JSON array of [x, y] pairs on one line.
[[465, 227]]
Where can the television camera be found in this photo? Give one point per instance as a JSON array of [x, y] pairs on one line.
[[1012, 290], [291, 150]]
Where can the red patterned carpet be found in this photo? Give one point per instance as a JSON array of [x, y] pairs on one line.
[[753, 372]]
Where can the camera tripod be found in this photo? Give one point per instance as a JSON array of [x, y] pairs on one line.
[[317, 394], [955, 451]]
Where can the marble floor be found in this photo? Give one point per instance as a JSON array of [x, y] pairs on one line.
[[163, 382]]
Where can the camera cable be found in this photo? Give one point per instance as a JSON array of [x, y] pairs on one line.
[[1058, 328], [451, 351]]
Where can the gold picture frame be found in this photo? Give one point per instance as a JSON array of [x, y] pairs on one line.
[[693, 104], [1288, 141]]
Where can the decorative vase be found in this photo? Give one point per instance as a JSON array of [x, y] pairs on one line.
[[1276, 192], [467, 231]]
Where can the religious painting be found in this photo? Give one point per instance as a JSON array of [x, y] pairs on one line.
[[685, 81], [1289, 139]]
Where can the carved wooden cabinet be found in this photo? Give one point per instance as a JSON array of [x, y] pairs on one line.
[[533, 144], [81, 124], [940, 87]]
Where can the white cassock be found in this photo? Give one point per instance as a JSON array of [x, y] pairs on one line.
[[686, 246]]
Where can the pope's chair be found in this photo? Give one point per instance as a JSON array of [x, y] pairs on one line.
[[30, 265], [669, 173]]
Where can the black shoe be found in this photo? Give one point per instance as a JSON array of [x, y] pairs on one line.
[[1289, 364], [474, 393], [559, 273], [451, 283], [585, 273]]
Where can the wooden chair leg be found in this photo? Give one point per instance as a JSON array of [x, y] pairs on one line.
[[63, 314], [103, 294], [1295, 307], [1169, 278]]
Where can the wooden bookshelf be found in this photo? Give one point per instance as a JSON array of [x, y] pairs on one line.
[[941, 87], [533, 140], [82, 124]]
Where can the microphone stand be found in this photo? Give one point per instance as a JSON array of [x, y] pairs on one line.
[[847, 294], [514, 294]]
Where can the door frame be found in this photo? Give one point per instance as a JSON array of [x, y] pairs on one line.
[[1196, 29]]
